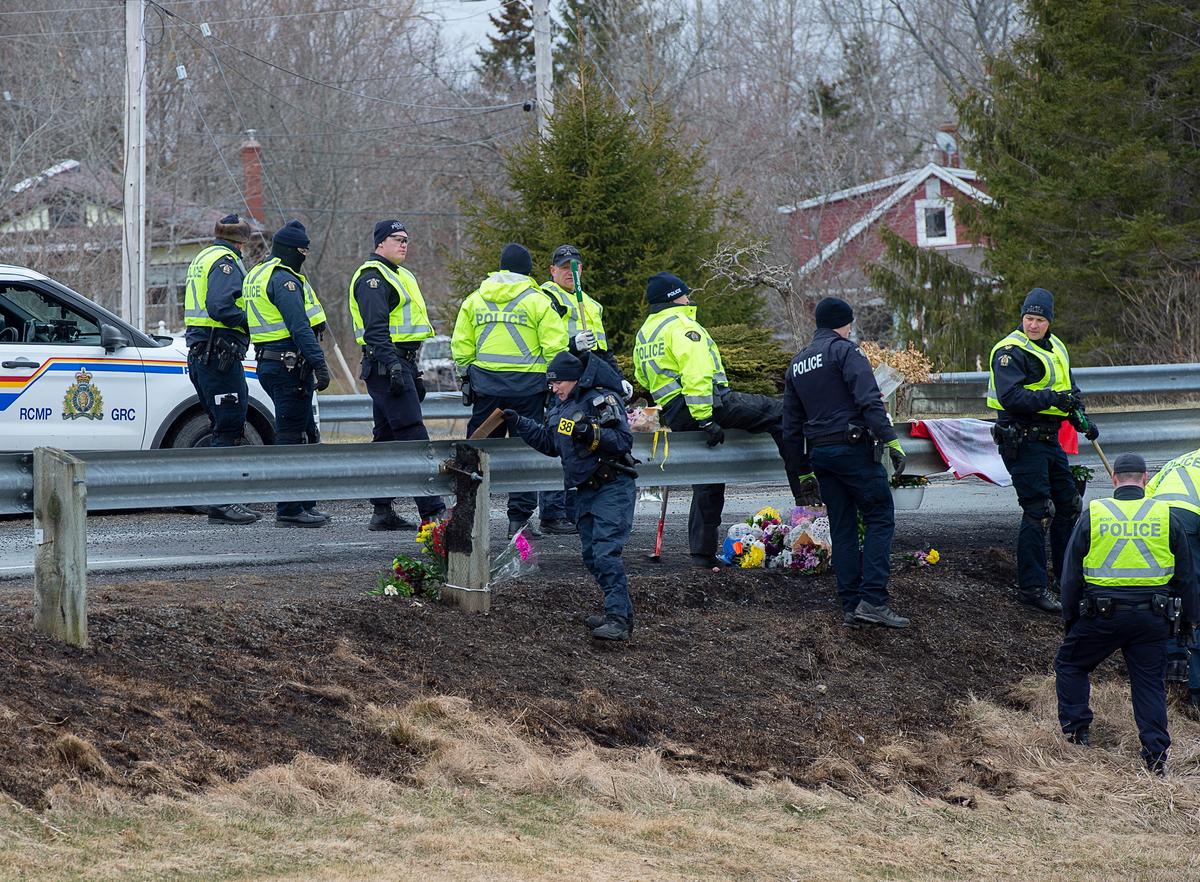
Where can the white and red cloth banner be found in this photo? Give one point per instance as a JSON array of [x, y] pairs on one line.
[[968, 449]]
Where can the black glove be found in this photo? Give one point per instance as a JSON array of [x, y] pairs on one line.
[[810, 491], [396, 379], [716, 435], [584, 434], [1067, 401], [899, 458], [1080, 421], [420, 384], [322, 376], [511, 417], [1187, 632], [319, 330]]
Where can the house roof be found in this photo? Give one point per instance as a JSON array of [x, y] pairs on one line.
[[899, 186]]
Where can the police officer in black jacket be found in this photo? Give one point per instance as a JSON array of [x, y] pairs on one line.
[[1031, 386], [390, 322], [1127, 584], [833, 417], [586, 426]]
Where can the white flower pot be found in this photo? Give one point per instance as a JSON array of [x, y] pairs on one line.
[[907, 498]]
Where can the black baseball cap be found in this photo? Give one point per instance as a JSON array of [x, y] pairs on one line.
[[564, 254]]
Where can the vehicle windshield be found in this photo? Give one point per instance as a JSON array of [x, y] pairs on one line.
[[31, 316]]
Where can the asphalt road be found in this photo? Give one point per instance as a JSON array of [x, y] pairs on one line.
[[960, 515]]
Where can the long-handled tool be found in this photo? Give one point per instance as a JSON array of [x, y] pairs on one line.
[[662, 522], [1103, 458], [578, 294]]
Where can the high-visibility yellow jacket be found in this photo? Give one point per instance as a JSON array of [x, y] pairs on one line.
[[674, 355], [408, 322], [1178, 483], [265, 320], [1130, 543], [1056, 366], [508, 326], [593, 312], [195, 304]]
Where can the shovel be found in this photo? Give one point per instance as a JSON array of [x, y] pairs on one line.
[[662, 520]]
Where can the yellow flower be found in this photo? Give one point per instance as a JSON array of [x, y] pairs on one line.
[[768, 512], [754, 557], [933, 556], [423, 533]]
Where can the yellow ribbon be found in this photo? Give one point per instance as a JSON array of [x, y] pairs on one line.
[[666, 447]]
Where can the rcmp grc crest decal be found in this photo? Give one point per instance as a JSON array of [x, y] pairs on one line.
[[83, 399]]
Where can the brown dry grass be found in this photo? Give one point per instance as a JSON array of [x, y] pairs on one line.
[[487, 803]]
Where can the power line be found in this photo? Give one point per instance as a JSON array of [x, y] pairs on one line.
[[336, 88]]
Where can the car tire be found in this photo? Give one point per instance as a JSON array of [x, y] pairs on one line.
[[195, 431]]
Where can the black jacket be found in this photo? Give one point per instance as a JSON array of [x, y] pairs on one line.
[[828, 385], [596, 398]]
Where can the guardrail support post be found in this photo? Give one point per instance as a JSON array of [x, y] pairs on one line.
[[468, 566], [60, 537]]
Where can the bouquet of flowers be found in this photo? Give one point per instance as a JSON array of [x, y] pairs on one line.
[[766, 540], [409, 577], [519, 558], [902, 481], [926, 558], [432, 539]]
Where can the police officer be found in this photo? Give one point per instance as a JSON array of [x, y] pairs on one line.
[[1178, 485], [583, 313], [587, 427], [585, 333], [390, 321], [1127, 584], [1032, 388], [506, 333], [282, 308], [217, 341], [676, 359], [835, 418]]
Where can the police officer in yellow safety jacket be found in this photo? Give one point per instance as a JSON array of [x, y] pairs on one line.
[[506, 333], [390, 321], [676, 359], [585, 333], [282, 309], [1031, 386], [1127, 584], [217, 341], [1178, 485]]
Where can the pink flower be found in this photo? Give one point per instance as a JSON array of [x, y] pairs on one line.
[[522, 546]]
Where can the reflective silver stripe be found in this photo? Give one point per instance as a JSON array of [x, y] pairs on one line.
[[720, 379], [510, 359], [659, 329], [698, 399], [1132, 573], [666, 389], [261, 326], [409, 329], [1189, 496]]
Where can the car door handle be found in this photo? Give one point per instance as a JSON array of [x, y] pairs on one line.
[[21, 363]]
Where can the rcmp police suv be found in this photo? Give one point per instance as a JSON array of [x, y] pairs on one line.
[[73, 375]]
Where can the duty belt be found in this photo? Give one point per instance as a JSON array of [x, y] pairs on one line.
[[276, 355], [1167, 606]]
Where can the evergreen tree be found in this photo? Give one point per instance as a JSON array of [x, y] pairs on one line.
[[1088, 143], [509, 56], [626, 192], [953, 315]]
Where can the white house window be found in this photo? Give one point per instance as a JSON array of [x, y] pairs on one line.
[[935, 223]]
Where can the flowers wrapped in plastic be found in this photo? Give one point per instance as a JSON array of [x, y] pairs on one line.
[[766, 539], [518, 559]]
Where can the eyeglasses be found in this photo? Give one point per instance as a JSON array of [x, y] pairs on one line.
[[403, 240]]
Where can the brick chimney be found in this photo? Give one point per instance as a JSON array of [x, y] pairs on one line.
[[251, 152]]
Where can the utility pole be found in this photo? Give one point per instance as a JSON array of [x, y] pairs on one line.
[[542, 65], [133, 239]]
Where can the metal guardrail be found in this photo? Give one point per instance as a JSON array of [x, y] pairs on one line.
[[357, 408], [211, 476], [964, 392]]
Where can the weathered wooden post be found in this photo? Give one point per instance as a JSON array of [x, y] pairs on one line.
[[60, 538], [468, 566]]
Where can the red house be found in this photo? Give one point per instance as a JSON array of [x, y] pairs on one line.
[[835, 235]]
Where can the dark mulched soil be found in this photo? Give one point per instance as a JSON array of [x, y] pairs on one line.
[[204, 678]]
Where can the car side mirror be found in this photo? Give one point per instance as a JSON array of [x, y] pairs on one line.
[[112, 338]]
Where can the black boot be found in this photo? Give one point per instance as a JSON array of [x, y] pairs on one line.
[[879, 615], [303, 519], [612, 629], [1080, 737], [1039, 598], [386, 519], [559, 527], [531, 532], [230, 514]]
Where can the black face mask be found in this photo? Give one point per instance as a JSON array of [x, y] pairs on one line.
[[289, 255]]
